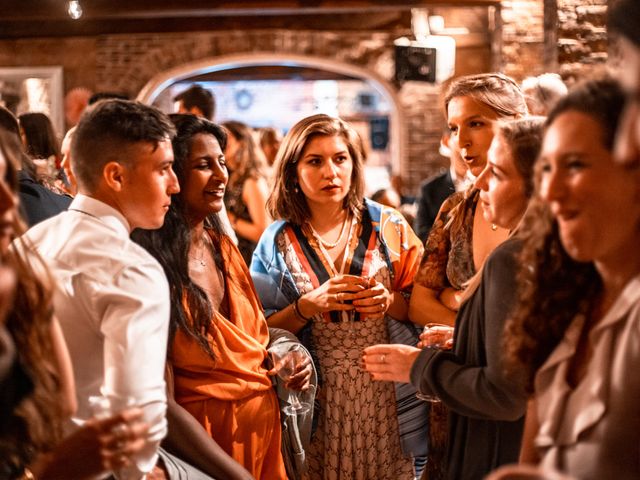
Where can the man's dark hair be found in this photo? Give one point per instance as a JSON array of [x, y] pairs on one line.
[[197, 96], [107, 130], [624, 19], [96, 97]]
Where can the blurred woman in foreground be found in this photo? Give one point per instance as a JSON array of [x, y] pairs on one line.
[[576, 334]]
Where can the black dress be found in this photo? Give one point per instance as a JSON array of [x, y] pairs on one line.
[[487, 409]]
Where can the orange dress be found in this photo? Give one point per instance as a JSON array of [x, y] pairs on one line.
[[232, 396]]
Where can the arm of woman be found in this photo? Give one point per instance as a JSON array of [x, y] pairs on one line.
[[426, 307], [188, 440], [254, 195], [479, 391], [528, 452], [426, 304], [69, 403]]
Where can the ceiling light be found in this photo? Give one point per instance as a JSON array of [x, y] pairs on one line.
[[74, 9]]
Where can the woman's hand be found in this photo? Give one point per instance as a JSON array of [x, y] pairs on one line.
[[301, 378], [390, 362], [451, 298], [374, 301], [332, 295]]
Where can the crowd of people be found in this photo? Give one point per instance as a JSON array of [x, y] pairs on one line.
[[154, 266]]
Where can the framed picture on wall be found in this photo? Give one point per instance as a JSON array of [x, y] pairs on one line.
[[33, 89]]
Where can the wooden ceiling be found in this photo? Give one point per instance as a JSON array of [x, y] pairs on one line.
[[49, 18]]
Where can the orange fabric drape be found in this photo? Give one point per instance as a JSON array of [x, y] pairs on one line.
[[232, 396]]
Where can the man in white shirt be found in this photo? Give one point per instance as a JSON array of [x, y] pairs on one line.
[[113, 297]]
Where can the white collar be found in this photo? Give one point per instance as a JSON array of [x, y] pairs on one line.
[[100, 210]]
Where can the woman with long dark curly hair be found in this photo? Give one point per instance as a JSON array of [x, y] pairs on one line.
[[576, 335]]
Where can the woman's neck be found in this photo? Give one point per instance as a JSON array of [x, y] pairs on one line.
[[617, 269], [196, 227], [325, 217]]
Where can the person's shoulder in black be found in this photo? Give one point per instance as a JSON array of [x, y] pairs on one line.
[[433, 193], [37, 203]]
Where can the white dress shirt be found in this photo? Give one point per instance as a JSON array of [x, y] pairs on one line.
[[112, 300]]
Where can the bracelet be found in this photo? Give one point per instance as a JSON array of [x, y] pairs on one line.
[[296, 310]]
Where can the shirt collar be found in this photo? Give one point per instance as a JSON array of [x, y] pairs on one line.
[[103, 212]]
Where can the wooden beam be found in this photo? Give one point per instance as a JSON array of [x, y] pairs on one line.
[[17, 10]]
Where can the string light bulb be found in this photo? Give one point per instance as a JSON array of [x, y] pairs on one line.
[[74, 9]]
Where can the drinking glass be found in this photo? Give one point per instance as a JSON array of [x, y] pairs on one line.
[[286, 359], [439, 336], [106, 406]]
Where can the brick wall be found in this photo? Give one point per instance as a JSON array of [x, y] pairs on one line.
[[582, 36], [127, 62]]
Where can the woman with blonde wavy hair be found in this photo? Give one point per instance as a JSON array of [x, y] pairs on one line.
[[461, 238]]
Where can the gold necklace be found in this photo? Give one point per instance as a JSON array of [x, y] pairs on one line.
[[323, 242]]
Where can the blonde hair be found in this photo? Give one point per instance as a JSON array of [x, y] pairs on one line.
[[495, 90]]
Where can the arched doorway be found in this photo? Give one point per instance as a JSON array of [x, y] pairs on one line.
[[394, 126]]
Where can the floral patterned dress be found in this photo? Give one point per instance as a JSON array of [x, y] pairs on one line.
[[357, 436], [447, 262]]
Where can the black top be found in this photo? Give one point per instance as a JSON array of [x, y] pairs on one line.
[[486, 419], [38, 203], [433, 193]]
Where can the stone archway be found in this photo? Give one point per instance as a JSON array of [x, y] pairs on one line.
[[228, 62]]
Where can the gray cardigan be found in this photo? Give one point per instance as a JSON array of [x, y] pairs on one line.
[[486, 419]]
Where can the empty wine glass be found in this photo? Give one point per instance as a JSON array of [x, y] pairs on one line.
[[435, 335], [286, 359]]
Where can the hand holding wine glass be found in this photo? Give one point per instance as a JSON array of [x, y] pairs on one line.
[[289, 362]]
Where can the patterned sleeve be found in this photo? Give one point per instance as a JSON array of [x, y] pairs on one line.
[[433, 267]]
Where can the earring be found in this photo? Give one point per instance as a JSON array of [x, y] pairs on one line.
[[295, 188]]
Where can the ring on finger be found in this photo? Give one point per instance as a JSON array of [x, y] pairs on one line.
[[383, 357]]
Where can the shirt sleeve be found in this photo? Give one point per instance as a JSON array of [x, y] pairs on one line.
[[479, 391], [134, 321]]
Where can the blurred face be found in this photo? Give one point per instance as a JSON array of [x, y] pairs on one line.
[[471, 125], [205, 177], [628, 137], [230, 151], [147, 186], [8, 204], [502, 189], [65, 150], [594, 200], [324, 170]]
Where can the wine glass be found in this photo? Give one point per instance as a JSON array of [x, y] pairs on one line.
[[286, 359], [105, 406], [439, 336]]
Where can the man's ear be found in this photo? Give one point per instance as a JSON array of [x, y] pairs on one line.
[[114, 175]]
